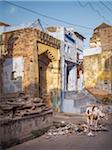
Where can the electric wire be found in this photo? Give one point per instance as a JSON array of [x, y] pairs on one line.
[[49, 17], [95, 10]]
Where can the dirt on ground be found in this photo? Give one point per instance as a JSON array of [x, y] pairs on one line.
[[68, 135]]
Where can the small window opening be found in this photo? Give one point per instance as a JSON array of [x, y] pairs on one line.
[[13, 75]]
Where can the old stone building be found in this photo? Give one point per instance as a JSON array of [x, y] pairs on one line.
[[98, 60], [30, 64], [29, 83]]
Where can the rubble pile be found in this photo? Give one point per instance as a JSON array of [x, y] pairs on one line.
[[22, 106], [61, 129], [70, 128]]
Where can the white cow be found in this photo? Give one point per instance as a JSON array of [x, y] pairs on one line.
[[94, 114]]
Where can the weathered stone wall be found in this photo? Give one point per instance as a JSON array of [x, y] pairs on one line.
[[91, 69], [102, 37], [23, 46], [96, 73], [24, 43], [98, 68], [30, 44], [106, 39], [19, 130]]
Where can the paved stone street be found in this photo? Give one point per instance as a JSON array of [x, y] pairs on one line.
[[102, 141]]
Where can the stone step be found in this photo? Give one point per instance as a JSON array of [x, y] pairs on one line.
[[72, 93], [77, 102]]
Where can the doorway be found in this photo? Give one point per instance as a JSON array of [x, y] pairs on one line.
[[43, 66]]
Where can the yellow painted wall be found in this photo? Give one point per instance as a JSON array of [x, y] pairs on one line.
[[95, 73]]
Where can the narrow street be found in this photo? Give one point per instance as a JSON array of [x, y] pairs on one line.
[[102, 140]]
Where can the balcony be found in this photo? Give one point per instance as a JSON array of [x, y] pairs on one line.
[[92, 51]]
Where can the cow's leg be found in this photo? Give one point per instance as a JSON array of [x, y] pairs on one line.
[[96, 123], [88, 123], [91, 121], [88, 120]]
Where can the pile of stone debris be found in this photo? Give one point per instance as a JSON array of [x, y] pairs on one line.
[[63, 128], [22, 106]]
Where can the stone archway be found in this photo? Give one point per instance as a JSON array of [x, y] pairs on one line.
[[49, 74], [43, 66]]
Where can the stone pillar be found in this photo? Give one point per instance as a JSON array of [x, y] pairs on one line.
[[36, 71], [31, 73], [56, 85]]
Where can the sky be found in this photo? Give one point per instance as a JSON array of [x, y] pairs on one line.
[[78, 13]]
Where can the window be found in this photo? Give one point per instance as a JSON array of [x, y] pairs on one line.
[[13, 75]]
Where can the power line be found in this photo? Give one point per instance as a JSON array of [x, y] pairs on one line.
[[45, 23], [92, 7], [106, 6], [82, 4], [95, 10], [110, 3], [37, 23], [49, 17]]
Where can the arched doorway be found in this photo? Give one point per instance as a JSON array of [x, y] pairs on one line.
[[43, 66]]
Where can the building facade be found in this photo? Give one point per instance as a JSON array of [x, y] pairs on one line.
[[71, 52], [30, 65], [98, 60]]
